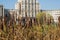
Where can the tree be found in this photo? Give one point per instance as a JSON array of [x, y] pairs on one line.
[[44, 18], [49, 19], [59, 19], [41, 18]]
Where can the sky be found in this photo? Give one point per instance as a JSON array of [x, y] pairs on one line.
[[44, 4]]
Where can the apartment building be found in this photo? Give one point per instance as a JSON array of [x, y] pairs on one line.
[[54, 13], [27, 8]]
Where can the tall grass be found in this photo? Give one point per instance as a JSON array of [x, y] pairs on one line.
[[44, 32]]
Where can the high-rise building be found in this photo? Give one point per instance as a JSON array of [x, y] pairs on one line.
[[27, 8]]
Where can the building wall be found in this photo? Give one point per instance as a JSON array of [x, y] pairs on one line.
[[1, 11]]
